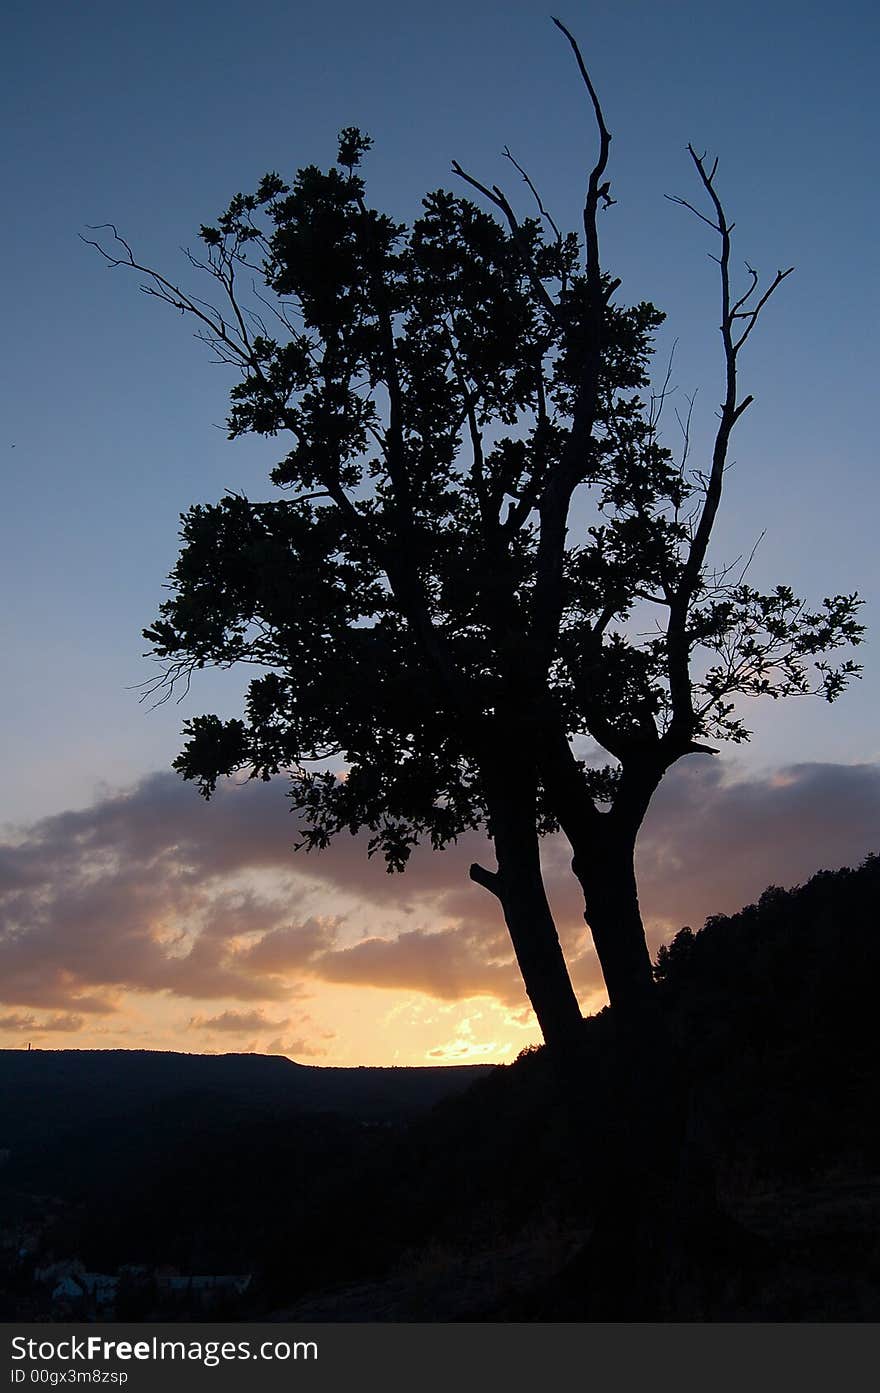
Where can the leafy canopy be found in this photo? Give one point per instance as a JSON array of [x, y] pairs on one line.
[[395, 595]]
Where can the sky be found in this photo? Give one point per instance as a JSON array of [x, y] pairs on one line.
[[133, 914]]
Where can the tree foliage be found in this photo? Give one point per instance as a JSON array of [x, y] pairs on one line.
[[428, 377]]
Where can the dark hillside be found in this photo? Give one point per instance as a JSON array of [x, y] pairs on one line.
[[779, 1007], [775, 1009]]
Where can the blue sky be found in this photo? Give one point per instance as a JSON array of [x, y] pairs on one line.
[[152, 116]]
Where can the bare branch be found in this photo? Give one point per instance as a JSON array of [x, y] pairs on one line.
[[678, 643], [752, 315], [734, 312], [555, 500], [683, 203], [537, 197], [491, 194], [594, 192], [163, 289], [658, 399], [754, 549], [685, 428], [600, 120], [128, 259]]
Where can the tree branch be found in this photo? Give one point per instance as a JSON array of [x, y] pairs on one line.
[[555, 500], [489, 880], [537, 197], [678, 645], [164, 289]]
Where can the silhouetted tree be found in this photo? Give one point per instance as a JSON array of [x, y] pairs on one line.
[[422, 600]]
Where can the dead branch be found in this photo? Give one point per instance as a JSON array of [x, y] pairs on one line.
[[548, 218]]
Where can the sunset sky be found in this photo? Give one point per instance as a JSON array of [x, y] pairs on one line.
[[132, 914]]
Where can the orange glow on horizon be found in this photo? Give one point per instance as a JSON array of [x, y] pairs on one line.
[[340, 1026]]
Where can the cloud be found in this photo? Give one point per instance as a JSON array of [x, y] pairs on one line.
[[31, 1026], [141, 892], [291, 947], [711, 844], [458, 1050], [134, 894], [449, 964], [307, 1048], [238, 1022], [152, 891]]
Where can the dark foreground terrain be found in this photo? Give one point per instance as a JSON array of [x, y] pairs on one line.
[[144, 1185]]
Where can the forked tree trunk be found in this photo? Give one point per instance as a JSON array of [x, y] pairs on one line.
[[656, 1212], [519, 886]]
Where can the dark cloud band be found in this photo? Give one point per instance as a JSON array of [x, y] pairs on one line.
[[146, 892]]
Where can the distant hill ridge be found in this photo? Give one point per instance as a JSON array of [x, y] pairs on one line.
[[44, 1090]]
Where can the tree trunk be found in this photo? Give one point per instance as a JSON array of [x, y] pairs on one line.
[[519, 886], [605, 868], [661, 1242]]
